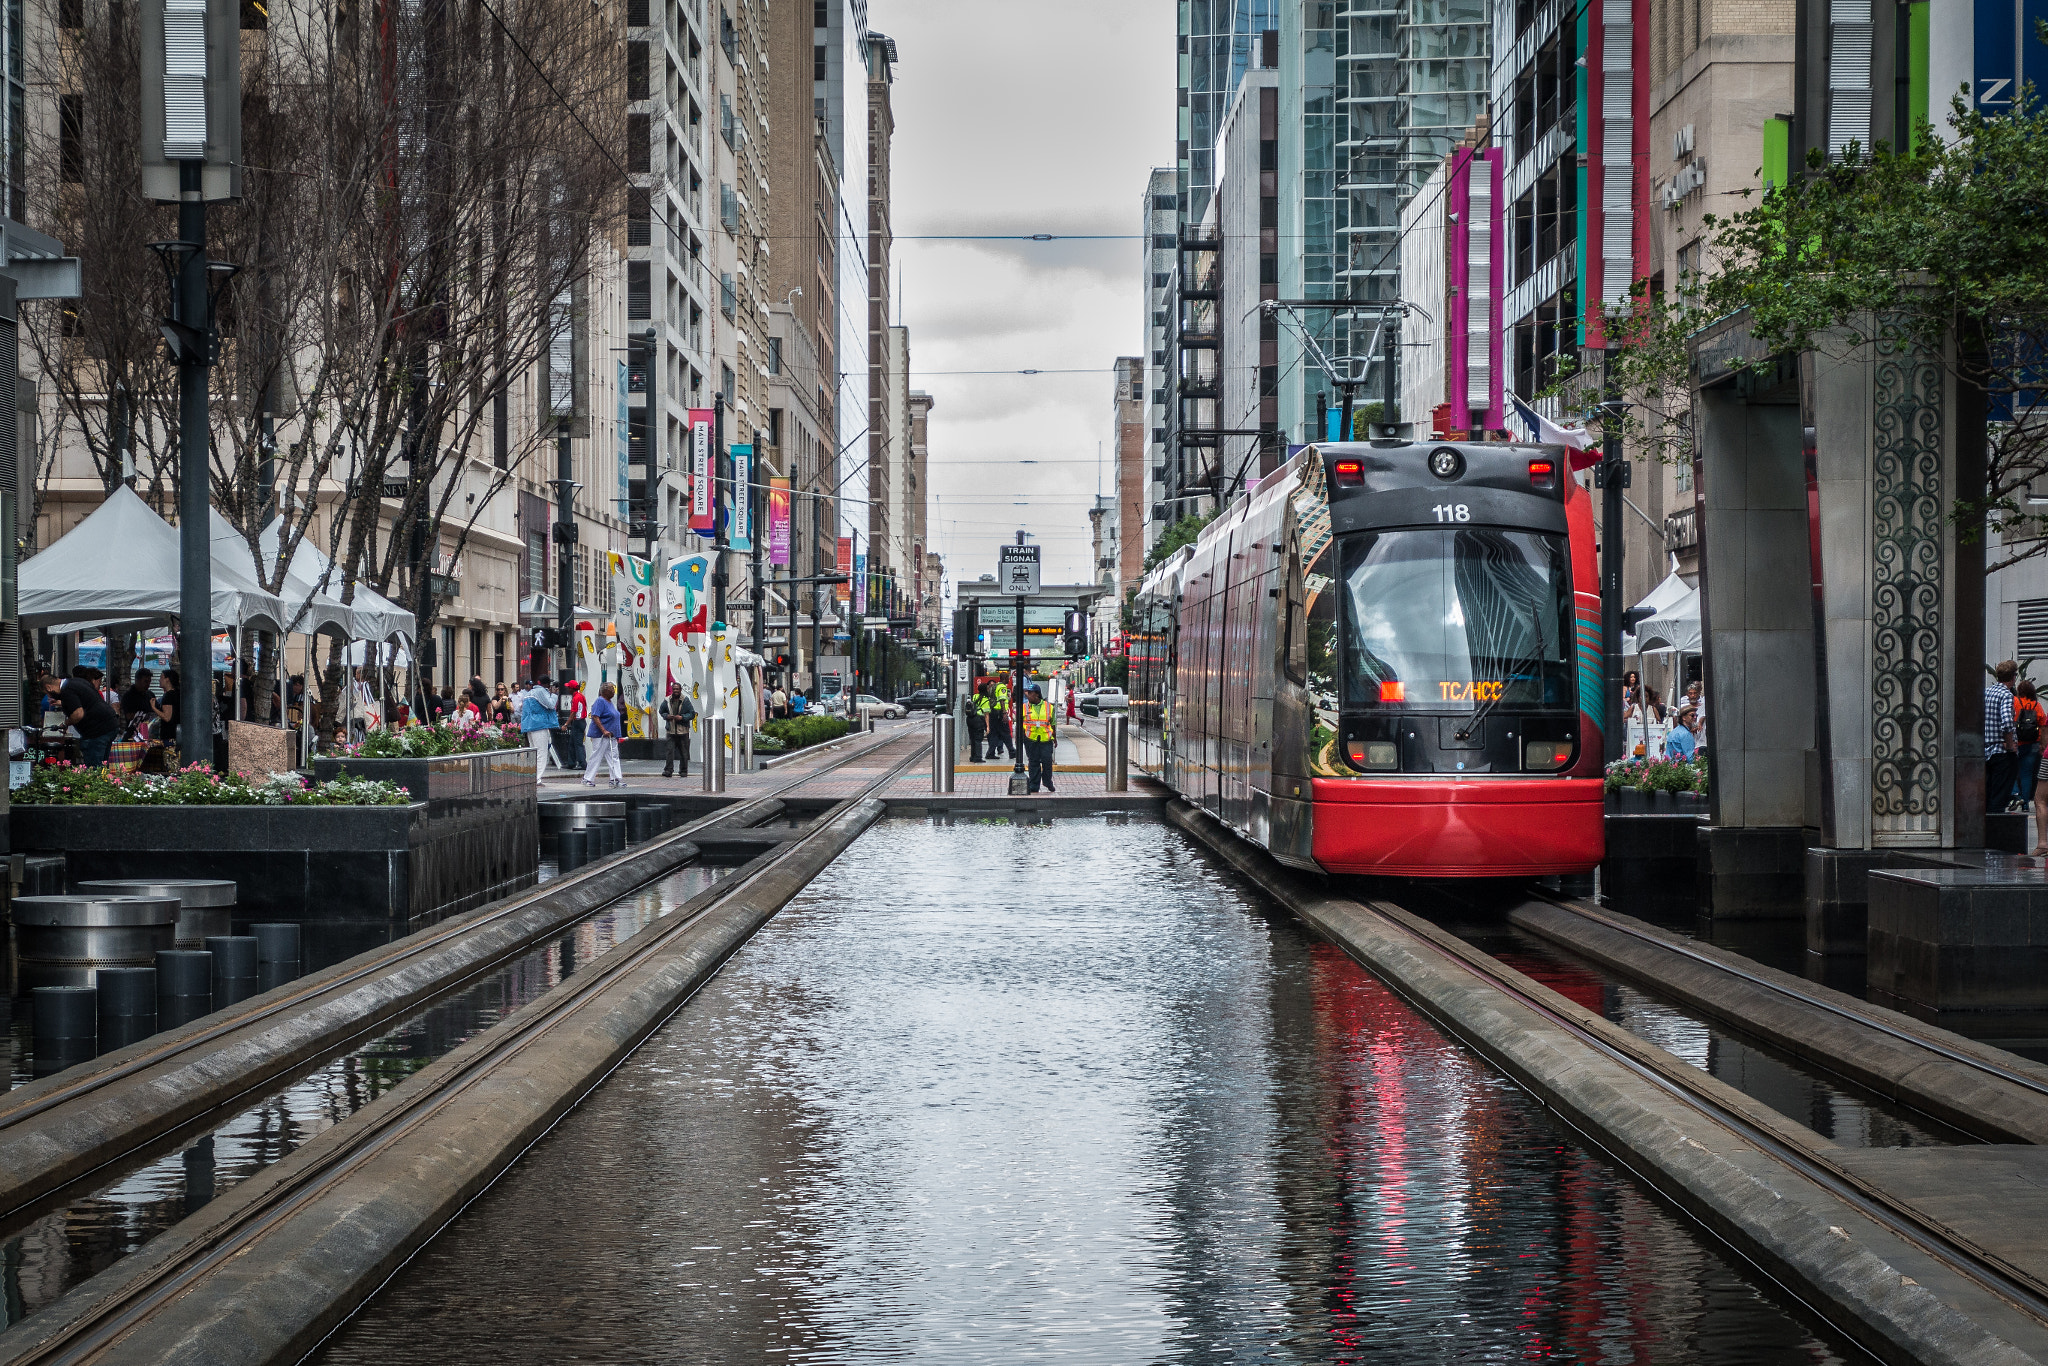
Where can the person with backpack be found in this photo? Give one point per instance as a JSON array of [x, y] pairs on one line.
[[539, 714], [2026, 729], [678, 714]]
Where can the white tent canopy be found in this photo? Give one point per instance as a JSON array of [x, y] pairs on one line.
[[311, 588], [1675, 623], [120, 566]]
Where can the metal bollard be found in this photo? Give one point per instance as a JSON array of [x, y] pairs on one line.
[[572, 850], [279, 955], [127, 1006], [66, 1023], [184, 986], [1116, 753], [714, 754], [234, 968], [942, 751]]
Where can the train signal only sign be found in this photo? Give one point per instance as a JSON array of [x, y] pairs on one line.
[[1017, 571]]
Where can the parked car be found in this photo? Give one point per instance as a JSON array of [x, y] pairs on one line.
[[924, 699], [1104, 699], [893, 711]]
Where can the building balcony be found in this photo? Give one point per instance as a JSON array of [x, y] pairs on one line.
[[1681, 531]]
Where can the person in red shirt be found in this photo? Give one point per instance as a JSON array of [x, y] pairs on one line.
[[572, 732]]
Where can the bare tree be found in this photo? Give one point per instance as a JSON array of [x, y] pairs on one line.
[[426, 183]]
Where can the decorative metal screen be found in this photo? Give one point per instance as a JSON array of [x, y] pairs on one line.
[[1908, 526]]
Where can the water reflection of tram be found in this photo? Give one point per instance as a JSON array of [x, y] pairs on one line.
[[1385, 659]]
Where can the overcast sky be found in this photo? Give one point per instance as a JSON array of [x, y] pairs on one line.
[[1045, 117]]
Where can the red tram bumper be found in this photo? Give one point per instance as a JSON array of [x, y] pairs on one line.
[[1459, 827]]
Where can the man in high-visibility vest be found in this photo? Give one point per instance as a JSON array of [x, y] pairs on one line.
[[1040, 734], [1000, 742], [977, 723]]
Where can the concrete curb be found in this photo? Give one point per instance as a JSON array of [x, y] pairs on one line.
[[1988, 1106], [241, 1049], [272, 1295], [1899, 1303]]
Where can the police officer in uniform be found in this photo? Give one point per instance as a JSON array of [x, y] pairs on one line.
[[977, 723], [1040, 733], [1000, 743]]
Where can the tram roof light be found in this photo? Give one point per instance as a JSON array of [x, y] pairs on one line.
[[1542, 474], [1349, 471]]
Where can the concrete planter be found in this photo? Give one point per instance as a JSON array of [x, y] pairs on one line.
[[446, 778], [474, 839]]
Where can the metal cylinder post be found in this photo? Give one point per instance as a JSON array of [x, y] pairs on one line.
[[280, 955], [572, 850], [942, 752], [1116, 753], [127, 1006], [714, 754], [234, 967], [66, 1024], [184, 986]]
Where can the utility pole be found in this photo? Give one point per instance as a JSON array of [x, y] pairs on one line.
[[1614, 479], [718, 580], [191, 154], [195, 534], [760, 586], [565, 537]]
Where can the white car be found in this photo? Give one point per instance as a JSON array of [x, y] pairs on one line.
[[1105, 699]]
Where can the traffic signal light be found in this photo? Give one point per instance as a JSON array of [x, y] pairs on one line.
[[1077, 634]]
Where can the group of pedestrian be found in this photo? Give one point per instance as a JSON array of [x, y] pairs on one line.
[[2013, 726], [988, 723], [1643, 710]]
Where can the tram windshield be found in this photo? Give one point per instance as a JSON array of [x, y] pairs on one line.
[[1457, 620]]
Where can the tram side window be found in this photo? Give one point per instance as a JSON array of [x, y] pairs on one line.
[[1457, 620]]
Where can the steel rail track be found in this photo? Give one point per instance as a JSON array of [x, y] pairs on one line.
[[1907, 1036], [402, 951], [398, 1115], [1902, 1221]]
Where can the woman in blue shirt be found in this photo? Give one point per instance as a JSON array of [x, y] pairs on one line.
[[606, 730]]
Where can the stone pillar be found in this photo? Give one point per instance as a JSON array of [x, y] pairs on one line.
[[1757, 630]]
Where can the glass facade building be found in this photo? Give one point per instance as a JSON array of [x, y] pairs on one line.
[[1219, 41]]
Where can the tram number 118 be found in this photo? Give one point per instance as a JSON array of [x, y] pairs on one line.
[[1452, 512]]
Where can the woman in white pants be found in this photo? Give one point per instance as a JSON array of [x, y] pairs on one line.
[[538, 717], [605, 732]]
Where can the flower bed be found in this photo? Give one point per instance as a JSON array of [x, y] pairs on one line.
[[800, 732], [463, 735], [1658, 775], [62, 784]]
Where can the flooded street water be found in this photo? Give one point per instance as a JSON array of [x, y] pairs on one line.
[[1011, 1092]]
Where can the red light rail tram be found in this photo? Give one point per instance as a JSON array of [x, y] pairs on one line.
[[1385, 659]]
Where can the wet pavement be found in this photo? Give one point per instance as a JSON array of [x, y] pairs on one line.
[[1009, 1090], [78, 1234]]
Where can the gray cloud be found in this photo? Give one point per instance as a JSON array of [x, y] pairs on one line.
[[1045, 117]]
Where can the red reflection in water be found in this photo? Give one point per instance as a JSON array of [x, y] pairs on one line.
[[1445, 1207]]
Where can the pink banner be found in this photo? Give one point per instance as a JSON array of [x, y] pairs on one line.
[[778, 522]]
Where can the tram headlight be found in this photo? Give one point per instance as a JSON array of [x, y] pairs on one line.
[[1381, 755], [1544, 756]]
